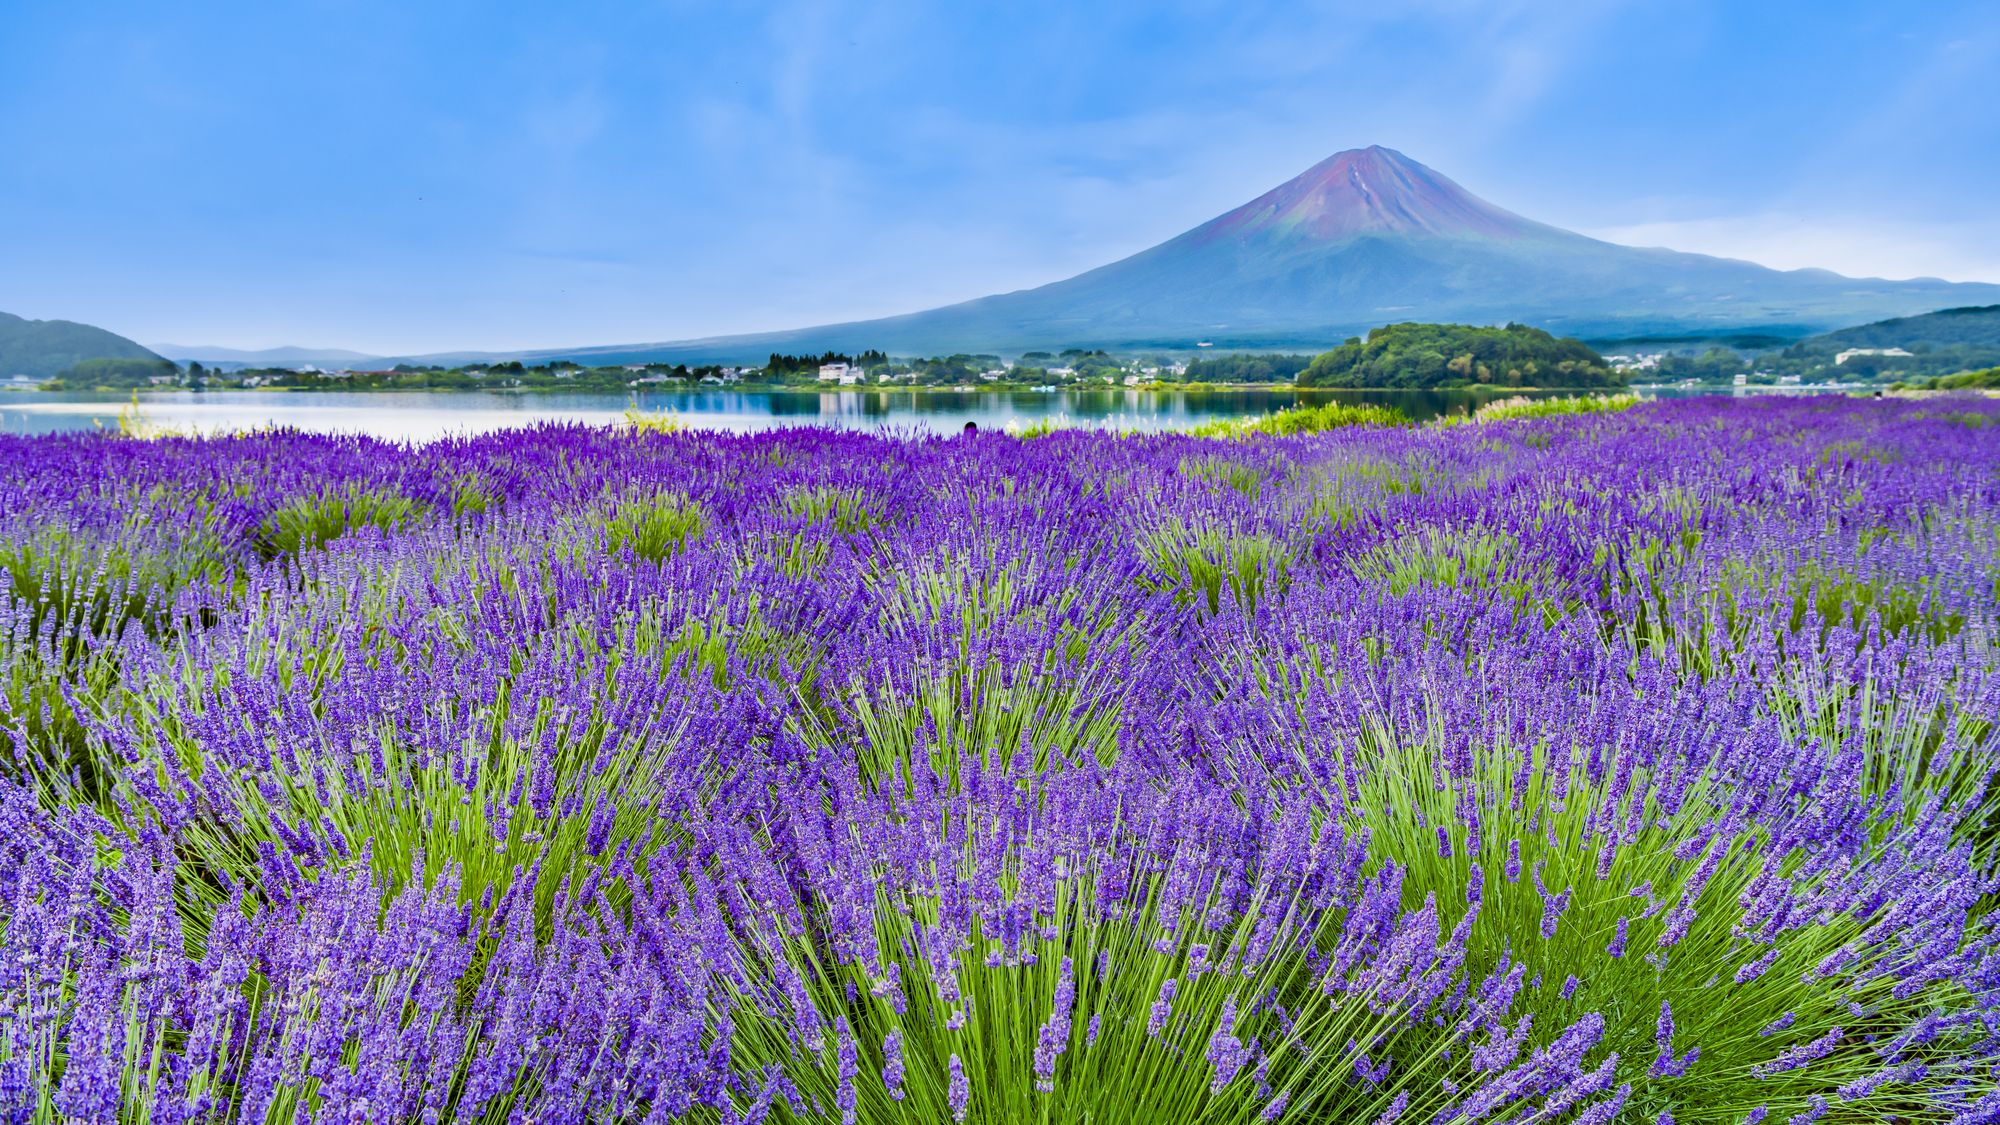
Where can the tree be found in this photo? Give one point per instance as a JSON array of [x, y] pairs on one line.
[[1447, 355], [116, 372]]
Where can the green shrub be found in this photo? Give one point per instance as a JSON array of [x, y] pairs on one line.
[[1520, 406], [1200, 563], [653, 527], [1305, 420], [312, 522]]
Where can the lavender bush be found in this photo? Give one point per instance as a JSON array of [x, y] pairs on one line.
[[1632, 765]]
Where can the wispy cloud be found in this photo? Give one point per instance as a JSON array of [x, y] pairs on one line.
[[1854, 245]]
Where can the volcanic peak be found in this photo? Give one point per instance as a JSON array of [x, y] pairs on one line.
[[1371, 190]]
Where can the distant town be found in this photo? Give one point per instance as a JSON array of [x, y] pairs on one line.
[[1031, 370]]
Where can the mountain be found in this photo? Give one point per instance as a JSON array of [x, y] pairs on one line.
[[1363, 238], [233, 358], [40, 348]]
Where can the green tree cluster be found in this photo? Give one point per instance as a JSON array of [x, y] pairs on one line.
[[782, 365], [121, 373], [1092, 364], [1988, 379], [1458, 355], [1716, 365], [1247, 368]]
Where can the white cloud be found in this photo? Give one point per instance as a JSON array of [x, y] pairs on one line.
[[1966, 251]]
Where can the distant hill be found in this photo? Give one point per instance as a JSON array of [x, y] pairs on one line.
[[234, 358], [41, 348], [1446, 355], [1974, 326], [1939, 343]]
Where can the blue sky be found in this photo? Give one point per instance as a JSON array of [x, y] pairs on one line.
[[399, 177]]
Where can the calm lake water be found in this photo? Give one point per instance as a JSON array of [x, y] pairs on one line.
[[416, 415]]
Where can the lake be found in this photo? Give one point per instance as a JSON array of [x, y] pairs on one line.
[[422, 415]]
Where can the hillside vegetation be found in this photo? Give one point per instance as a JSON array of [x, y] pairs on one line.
[[115, 374], [1250, 368], [1459, 355], [1940, 343], [1973, 326], [1988, 379], [40, 349]]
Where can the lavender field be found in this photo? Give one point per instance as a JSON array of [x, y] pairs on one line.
[[1624, 766]]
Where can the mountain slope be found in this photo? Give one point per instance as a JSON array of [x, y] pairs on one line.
[[1939, 343], [1370, 236], [1975, 327], [1364, 238], [232, 358], [40, 348]]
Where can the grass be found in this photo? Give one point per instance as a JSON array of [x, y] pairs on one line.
[[652, 421], [1305, 420], [1509, 409], [313, 521]]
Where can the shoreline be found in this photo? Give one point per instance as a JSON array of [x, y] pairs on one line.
[[792, 388]]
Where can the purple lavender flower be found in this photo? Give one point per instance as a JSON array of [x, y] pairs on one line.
[[1799, 1055], [959, 1092], [845, 1098], [1226, 1052], [1163, 1009], [1552, 905], [892, 1064], [1053, 1038], [654, 771], [1395, 1110], [1667, 1064]]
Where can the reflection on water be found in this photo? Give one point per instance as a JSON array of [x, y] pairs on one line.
[[416, 415]]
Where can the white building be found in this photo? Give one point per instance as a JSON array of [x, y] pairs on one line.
[[1850, 353], [1633, 362], [846, 374]]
